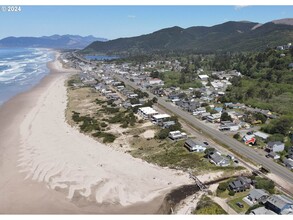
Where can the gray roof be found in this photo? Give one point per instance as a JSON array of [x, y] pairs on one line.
[[280, 201], [190, 142], [256, 194], [262, 211], [288, 162], [272, 143], [216, 158]]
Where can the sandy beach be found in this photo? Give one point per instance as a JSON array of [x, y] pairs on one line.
[[47, 166]]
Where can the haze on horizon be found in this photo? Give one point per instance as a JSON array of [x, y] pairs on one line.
[[113, 22]]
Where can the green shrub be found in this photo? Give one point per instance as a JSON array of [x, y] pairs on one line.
[[223, 186], [103, 125], [207, 207], [266, 184], [163, 133], [231, 193]]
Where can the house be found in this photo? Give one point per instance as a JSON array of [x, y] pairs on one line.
[[191, 145], [262, 211], [155, 81], [249, 139], [280, 204], [256, 196], [199, 110], [203, 77], [274, 155], [261, 135], [275, 146], [214, 117], [167, 124], [147, 112], [240, 184], [217, 159], [290, 153], [177, 135], [228, 126], [288, 163], [156, 119]]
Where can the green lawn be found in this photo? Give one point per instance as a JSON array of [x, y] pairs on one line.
[[232, 204]]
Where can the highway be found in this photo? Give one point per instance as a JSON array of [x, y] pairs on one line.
[[220, 137]]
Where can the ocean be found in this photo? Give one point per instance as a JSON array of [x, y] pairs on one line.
[[21, 69]]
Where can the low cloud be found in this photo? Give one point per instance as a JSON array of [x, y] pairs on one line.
[[238, 7]]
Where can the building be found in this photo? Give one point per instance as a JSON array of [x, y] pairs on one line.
[[275, 146], [228, 126], [199, 111], [158, 118], [217, 159], [155, 81], [240, 185], [280, 204], [147, 112], [290, 153], [261, 135], [256, 196], [193, 146], [177, 135], [203, 77], [167, 124], [289, 163], [262, 211], [274, 155], [249, 139]]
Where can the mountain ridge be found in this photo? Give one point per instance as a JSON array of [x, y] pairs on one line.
[[54, 41], [228, 36]]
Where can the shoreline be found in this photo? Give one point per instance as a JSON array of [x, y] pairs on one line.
[[22, 195]]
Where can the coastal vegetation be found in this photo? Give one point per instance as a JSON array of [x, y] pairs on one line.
[[174, 155], [207, 207]]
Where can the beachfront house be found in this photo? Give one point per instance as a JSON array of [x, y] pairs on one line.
[[158, 118], [194, 146], [146, 112], [240, 184], [177, 135], [217, 159]]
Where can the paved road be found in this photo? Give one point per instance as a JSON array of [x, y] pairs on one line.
[[218, 136]]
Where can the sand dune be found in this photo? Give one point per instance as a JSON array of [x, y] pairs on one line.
[[56, 154]]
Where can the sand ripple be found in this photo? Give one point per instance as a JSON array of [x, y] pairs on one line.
[[56, 154]]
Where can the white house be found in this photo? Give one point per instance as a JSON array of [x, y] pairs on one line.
[[193, 146], [147, 112], [176, 135], [159, 118]]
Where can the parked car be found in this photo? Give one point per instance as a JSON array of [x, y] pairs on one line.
[[239, 204], [206, 143], [236, 161], [230, 157]]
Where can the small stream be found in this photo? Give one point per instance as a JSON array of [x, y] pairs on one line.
[[174, 198]]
